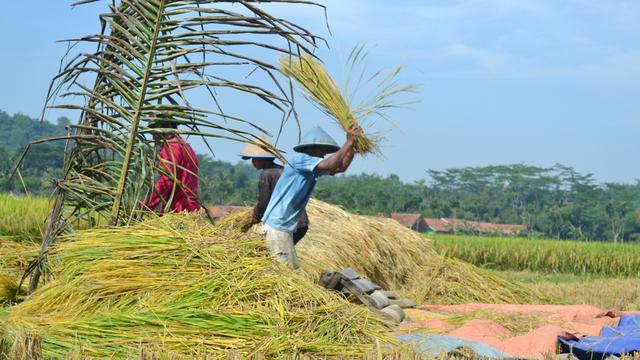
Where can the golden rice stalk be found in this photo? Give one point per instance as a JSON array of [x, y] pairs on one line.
[[8, 290], [15, 255], [239, 221], [319, 87]]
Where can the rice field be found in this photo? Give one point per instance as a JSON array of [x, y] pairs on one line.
[[22, 216], [549, 256], [597, 290]]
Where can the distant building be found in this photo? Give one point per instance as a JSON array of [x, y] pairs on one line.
[[442, 225], [450, 226], [412, 221], [220, 211]]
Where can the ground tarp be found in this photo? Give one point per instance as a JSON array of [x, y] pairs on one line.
[[623, 339], [435, 345], [534, 328]]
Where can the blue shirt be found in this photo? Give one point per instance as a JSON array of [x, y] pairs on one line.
[[292, 192]]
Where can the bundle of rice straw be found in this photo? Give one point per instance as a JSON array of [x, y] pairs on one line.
[[319, 87], [8, 290], [395, 257], [15, 255], [179, 287]]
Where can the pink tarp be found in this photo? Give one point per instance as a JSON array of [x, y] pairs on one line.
[[567, 321]]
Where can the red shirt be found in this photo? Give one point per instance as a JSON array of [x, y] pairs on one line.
[[177, 158]]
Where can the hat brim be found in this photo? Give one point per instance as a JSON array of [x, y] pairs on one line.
[[163, 125], [247, 157], [331, 148]]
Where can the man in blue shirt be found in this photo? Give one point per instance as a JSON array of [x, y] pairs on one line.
[[295, 186]]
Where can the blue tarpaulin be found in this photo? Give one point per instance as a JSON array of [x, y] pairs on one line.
[[434, 345], [623, 339]]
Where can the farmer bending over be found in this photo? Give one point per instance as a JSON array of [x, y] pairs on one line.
[[271, 172], [293, 190], [177, 187]]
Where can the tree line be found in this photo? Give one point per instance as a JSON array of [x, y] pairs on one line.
[[555, 202]]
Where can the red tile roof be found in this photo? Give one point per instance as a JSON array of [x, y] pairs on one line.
[[448, 225], [405, 219], [412, 221]]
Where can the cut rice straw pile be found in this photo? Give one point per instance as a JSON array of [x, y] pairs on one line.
[[180, 286], [395, 257], [15, 256], [320, 89]]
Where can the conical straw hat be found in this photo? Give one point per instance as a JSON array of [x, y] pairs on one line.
[[317, 137], [254, 151]]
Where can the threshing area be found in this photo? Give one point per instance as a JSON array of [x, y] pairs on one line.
[[180, 287]]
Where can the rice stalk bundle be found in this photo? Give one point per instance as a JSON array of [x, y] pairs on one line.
[[184, 287], [239, 220], [319, 87], [15, 255], [8, 290]]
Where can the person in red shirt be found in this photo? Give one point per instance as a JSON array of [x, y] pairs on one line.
[[177, 187]]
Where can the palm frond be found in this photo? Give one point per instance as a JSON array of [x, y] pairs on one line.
[[151, 57]]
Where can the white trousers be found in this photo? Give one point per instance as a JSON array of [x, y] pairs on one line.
[[281, 245]]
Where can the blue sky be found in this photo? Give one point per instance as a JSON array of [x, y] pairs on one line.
[[527, 81]]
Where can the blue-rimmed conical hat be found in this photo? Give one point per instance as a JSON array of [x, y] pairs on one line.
[[317, 137]]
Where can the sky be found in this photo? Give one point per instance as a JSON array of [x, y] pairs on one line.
[[529, 81]]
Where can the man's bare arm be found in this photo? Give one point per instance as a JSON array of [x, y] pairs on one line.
[[340, 161]]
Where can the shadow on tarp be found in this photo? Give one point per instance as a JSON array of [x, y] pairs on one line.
[[623, 339], [434, 345]]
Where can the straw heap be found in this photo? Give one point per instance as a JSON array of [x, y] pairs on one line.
[[319, 87], [377, 247], [398, 259], [179, 287], [393, 256]]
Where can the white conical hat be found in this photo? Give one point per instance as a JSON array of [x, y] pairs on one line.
[[317, 137]]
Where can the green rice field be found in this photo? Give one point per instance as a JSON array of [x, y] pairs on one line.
[[23, 216], [538, 255]]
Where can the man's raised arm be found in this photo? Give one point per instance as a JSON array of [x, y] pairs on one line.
[[340, 161]]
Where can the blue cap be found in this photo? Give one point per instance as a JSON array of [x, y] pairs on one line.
[[317, 137]]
